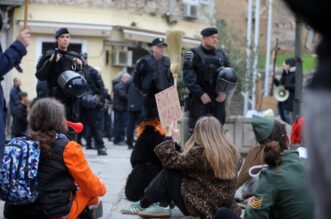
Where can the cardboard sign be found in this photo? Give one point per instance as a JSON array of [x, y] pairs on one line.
[[168, 106]]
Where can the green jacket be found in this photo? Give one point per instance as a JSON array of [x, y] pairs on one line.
[[282, 192]]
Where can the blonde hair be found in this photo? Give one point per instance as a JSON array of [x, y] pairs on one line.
[[219, 154]]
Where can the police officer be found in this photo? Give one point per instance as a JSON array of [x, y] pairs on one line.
[[53, 64], [200, 74], [93, 102], [153, 74]]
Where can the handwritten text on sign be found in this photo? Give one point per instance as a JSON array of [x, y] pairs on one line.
[[168, 106]]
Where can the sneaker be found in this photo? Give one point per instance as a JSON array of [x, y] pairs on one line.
[[102, 151], [133, 209], [155, 210]]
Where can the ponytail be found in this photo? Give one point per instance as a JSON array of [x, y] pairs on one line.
[[272, 153]]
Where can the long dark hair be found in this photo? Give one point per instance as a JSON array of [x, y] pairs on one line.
[[275, 144], [47, 117]]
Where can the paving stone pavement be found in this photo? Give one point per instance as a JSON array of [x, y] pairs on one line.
[[113, 169]]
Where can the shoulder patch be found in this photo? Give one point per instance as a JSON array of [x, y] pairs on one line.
[[256, 202]]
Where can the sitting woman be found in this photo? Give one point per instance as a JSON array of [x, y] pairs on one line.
[[282, 190], [145, 164], [66, 183], [199, 180]]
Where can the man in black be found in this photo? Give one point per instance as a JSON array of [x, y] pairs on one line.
[[153, 75], [92, 103], [14, 97], [20, 116], [53, 64], [288, 81], [200, 73]]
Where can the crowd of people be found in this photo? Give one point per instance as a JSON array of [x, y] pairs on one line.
[[201, 177]]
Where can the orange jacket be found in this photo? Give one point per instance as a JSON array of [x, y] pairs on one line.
[[79, 169]]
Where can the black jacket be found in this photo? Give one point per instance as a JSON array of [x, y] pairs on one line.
[[120, 102], [20, 121], [288, 81], [135, 99], [50, 71]]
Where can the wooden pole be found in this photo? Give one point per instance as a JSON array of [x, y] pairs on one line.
[[26, 14]]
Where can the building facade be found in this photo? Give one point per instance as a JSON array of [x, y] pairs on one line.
[[114, 33]]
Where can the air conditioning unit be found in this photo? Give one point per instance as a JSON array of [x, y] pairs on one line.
[[190, 11], [122, 58]]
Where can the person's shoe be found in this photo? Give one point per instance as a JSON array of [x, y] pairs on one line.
[[155, 210], [92, 212], [102, 151], [133, 209]]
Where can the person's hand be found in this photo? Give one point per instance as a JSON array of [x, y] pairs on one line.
[[173, 131], [78, 61], [58, 57], [24, 37], [221, 97], [276, 82], [205, 98]]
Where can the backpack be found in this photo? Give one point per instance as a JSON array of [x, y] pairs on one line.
[[18, 172]]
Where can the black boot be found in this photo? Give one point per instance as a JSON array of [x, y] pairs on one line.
[[92, 212]]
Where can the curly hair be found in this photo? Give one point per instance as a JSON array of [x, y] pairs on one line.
[[47, 117], [155, 123]]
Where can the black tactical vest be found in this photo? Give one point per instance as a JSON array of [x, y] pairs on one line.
[[56, 185], [161, 72], [206, 69]]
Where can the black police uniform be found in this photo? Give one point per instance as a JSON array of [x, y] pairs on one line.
[[92, 107], [51, 70], [200, 73], [151, 77]]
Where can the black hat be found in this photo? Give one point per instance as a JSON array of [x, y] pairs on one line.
[[290, 62], [157, 42], [61, 31], [209, 31]]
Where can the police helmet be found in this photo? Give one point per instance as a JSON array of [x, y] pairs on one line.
[[226, 80], [72, 83]]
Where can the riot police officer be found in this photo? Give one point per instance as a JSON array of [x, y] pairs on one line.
[[200, 76], [153, 75], [92, 103], [52, 67]]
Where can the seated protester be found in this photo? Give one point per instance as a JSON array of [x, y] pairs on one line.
[[263, 130], [20, 114], [283, 190], [66, 183], [198, 180], [145, 164]]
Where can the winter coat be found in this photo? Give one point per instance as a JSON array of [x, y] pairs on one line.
[[10, 58], [202, 192], [120, 97], [14, 98]]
